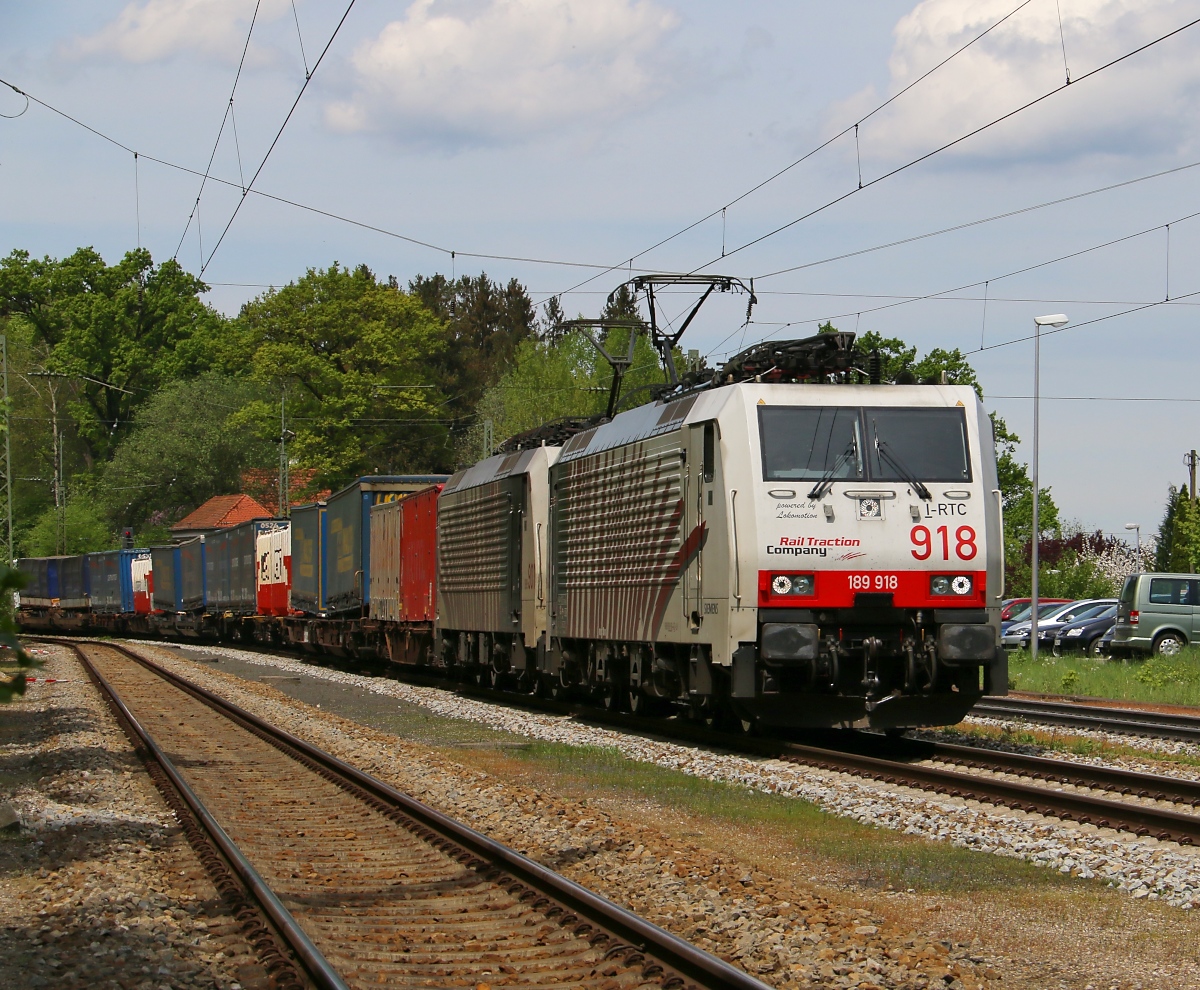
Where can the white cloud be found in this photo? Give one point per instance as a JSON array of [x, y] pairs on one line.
[[1142, 105], [158, 29], [498, 70]]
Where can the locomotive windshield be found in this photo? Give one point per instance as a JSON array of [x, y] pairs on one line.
[[809, 443], [925, 444], [806, 443]]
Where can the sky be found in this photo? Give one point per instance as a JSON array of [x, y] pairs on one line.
[[579, 141]]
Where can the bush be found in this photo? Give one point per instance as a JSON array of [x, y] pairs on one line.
[[87, 530]]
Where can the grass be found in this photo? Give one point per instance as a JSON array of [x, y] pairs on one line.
[[867, 856], [1163, 680]]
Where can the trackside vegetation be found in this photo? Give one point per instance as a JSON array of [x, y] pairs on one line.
[[134, 400]]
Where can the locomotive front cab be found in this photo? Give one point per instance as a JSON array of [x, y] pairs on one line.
[[877, 557]]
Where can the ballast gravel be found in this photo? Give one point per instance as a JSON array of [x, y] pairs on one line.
[[1143, 867], [98, 886]]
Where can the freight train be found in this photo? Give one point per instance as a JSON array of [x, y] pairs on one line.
[[786, 542]]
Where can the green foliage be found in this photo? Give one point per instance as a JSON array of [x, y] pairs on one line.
[[114, 332], [12, 682], [172, 463], [87, 530], [1016, 492], [900, 364], [1163, 680], [1073, 577], [483, 324], [359, 360], [1178, 547], [1162, 672], [552, 380]]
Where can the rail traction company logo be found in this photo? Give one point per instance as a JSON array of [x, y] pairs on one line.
[[812, 546]]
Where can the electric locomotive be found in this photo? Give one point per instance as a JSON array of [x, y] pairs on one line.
[[785, 542]]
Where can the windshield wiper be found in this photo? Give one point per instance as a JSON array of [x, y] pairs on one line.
[[906, 475], [826, 480]]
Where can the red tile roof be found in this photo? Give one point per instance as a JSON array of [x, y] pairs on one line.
[[263, 484], [221, 512]]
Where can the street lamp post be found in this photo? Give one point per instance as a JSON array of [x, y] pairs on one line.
[[1057, 320], [1137, 527]]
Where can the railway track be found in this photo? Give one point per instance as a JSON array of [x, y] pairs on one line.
[[346, 883], [1159, 725], [1145, 804], [1118, 798]]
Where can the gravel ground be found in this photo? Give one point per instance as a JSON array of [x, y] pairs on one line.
[[98, 885], [787, 935], [1144, 867]]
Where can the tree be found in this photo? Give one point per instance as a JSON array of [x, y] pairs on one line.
[[550, 326], [171, 463], [110, 335], [1016, 491], [1178, 546], [554, 379], [359, 361], [484, 324], [87, 530]]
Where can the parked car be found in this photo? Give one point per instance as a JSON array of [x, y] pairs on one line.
[[1157, 613], [1085, 633], [1017, 636], [1022, 615], [1047, 631], [1011, 608]]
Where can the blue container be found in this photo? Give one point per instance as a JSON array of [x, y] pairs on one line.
[[346, 547], [230, 563], [110, 574], [192, 577], [167, 595], [55, 582], [308, 524], [41, 581]]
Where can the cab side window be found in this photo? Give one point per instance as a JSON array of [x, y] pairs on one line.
[[1174, 591]]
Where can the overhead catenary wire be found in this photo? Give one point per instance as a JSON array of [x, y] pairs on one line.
[[221, 130], [813, 151], [317, 211], [974, 132], [278, 134], [303, 57], [906, 300], [1006, 215]]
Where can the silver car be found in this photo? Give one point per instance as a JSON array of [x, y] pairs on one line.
[[1016, 637]]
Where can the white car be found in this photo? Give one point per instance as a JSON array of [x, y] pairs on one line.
[[1017, 635]]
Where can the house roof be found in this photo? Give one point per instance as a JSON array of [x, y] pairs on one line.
[[263, 484], [221, 512]]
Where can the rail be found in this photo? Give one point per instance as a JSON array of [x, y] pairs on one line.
[[618, 929]]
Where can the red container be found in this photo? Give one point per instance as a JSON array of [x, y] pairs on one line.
[[418, 556]]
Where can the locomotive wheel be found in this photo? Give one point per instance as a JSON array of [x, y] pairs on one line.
[[497, 679], [610, 697], [638, 702]]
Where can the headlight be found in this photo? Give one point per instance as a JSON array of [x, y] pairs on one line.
[[946, 584], [1074, 632], [792, 584]]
